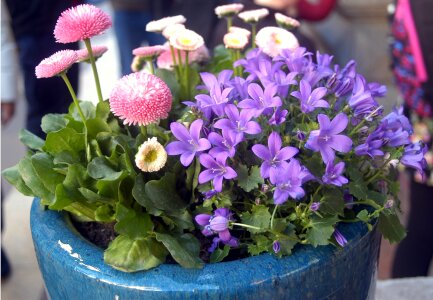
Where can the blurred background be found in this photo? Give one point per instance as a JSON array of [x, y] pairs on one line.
[[349, 29]]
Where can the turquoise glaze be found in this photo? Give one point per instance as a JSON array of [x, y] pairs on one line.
[[73, 268]]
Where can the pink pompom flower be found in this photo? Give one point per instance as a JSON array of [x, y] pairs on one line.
[[253, 16], [81, 22], [286, 22], [228, 10], [98, 51], [272, 40], [235, 40], [57, 63], [148, 51], [140, 98], [161, 24]]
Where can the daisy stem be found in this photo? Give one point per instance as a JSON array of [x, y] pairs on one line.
[[95, 71], [273, 215], [229, 23], [150, 63], [188, 92], [173, 57], [233, 56], [253, 35]]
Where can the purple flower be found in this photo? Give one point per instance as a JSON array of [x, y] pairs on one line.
[[251, 62], [310, 99], [333, 174], [209, 194], [217, 169], [300, 135], [398, 119], [216, 100], [289, 182], [189, 142], [239, 123], [260, 100], [296, 60], [323, 64], [225, 144], [276, 246], [240, 88], [413, 157], [377, 89], [361, 100], [341, 83], [218, 223], [372, 144], [341, 240], [278, 117], [274, 157], [210, 81], [327, 138], [315, 206]]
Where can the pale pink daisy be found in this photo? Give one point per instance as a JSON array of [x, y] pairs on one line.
[[98, 51], [286, 22], [151, 156], [140, 98], [228, 10], [253, 16], [172, 29], [235, 40], [161, 24], [148, 51], [55, 64], [81, 22], [272, 40], [186, 40], [165, 60], [241, 30]]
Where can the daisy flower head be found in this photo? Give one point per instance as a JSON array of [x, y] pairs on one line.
[[228, 10], [241, 30], [140, 98], [148, 51], [172, 29], [98, 51], [235, 40], [161, 24], [57, 63], [151, 156], [253, 16], [272, 40], [81, 22], [286, 22], [186, 40]]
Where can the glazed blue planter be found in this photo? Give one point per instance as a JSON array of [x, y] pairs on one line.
[[73, 268]]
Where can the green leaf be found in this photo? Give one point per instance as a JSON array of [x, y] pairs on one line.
[[315, 165], [88, 108], [95, 126], [170, 79], [287, 244], [31, 140], [363, 215], [139, 193], [332, 203], [105, 213], [65, 158], [179, 252], [13, 176], [66, 139], [182, 220], [100, 168], [357, 186], [103, 110], [32, 180], [261, 244], [321, 230], [53, 122], [44, 168], [377, 197], [132, 223], [391, 228], [131, 255], [219, 254], [260, 217], [92, 196], [248, 181]]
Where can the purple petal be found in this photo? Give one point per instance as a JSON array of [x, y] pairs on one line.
[[205, 176], [180, 132], [232, 112], [215, 138], [324, 121], [218, 183], [321, 103], [225, 235], [248, 103], [230, 173], [305, 89], [224, 124], [280, 196], [287, 153], [176, 148], [207, 161], [202, 219], [262, 152], [252, 127], [186, 158], [327, 153], [255, 91], [274, 143], [341, 143], [339, 123], [203, 144], [319, 93], [195, 129], [296, 192]]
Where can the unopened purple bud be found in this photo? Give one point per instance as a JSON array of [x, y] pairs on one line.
[[389, 203], [257, 201], [341, 240], [315, 206], [209, 194], [265, 188], [300, 135], [276, 246]]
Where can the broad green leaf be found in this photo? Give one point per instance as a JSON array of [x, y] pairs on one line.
[[248, 181], [169, 78], [63, 198], [92, 196], [32, 180], [13, 176], [315, 165], [132, 223], [65, 158], [287, 244], [391, 228], [332, 203], [321, 230], [219, 254], [44, 168], [261, 244], [132, 255], [105, 213], [100, 168], [363, 215], [95, 126], [181, 220], [180, 253], [103, 110], [66, 139], [377, 197], [260, 217], [357, 186], [163, 194], [53, 122], [31, 140], [87, 107], [190, 243], [139, 193]]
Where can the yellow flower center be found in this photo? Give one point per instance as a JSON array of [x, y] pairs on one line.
[[151, 156], [186, 41], [277, 39]]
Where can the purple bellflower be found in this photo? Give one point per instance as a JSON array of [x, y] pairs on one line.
[[315, 206], [413, 157], [289, 182], [282, 80], [189, 142], [278, 117], [216, 100], [361, 100], [333, 174], [217, 170], [238, 123], [398, 119], [341, 240], [327, 138], [260, 100], [218, 223], [296, 60], [372, 144], [225, 144], [210, 81], [310, 99], [377, 89], [274, 157]]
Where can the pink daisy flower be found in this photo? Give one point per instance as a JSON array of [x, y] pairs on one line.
[[186, 40], [148, 51], [165, 60], [272, 40], [235, 40], [56, 64], [172, 29], [228, 10], [241, 30], [98, 51], [161, 24], [81, 22], [286, 22], [140, 98], [253, 16]]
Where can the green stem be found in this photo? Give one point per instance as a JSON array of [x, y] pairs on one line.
[[143, 130], [151, 68], [95, 71], [273, 215], [229, 23], [368, 202], [173, 57], [188, 90], [246, 226], [83, 209], [253, 34], [179, 63]]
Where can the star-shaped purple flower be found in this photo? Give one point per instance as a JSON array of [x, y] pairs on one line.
[[310, 100], [238, 123], [413, 157], [333, 174], [274, 157], [327, 139], [225, 144], [216, 100], [217, 170], [260, 100], [189, 142]]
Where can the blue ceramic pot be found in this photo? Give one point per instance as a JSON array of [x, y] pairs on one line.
[[73, 268]]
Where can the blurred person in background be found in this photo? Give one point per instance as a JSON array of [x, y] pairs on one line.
[[412, 54], [32, 24]]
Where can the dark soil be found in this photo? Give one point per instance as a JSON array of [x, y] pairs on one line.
[[100, 234]]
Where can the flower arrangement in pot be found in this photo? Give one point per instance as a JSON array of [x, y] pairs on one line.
[[258, 150]]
